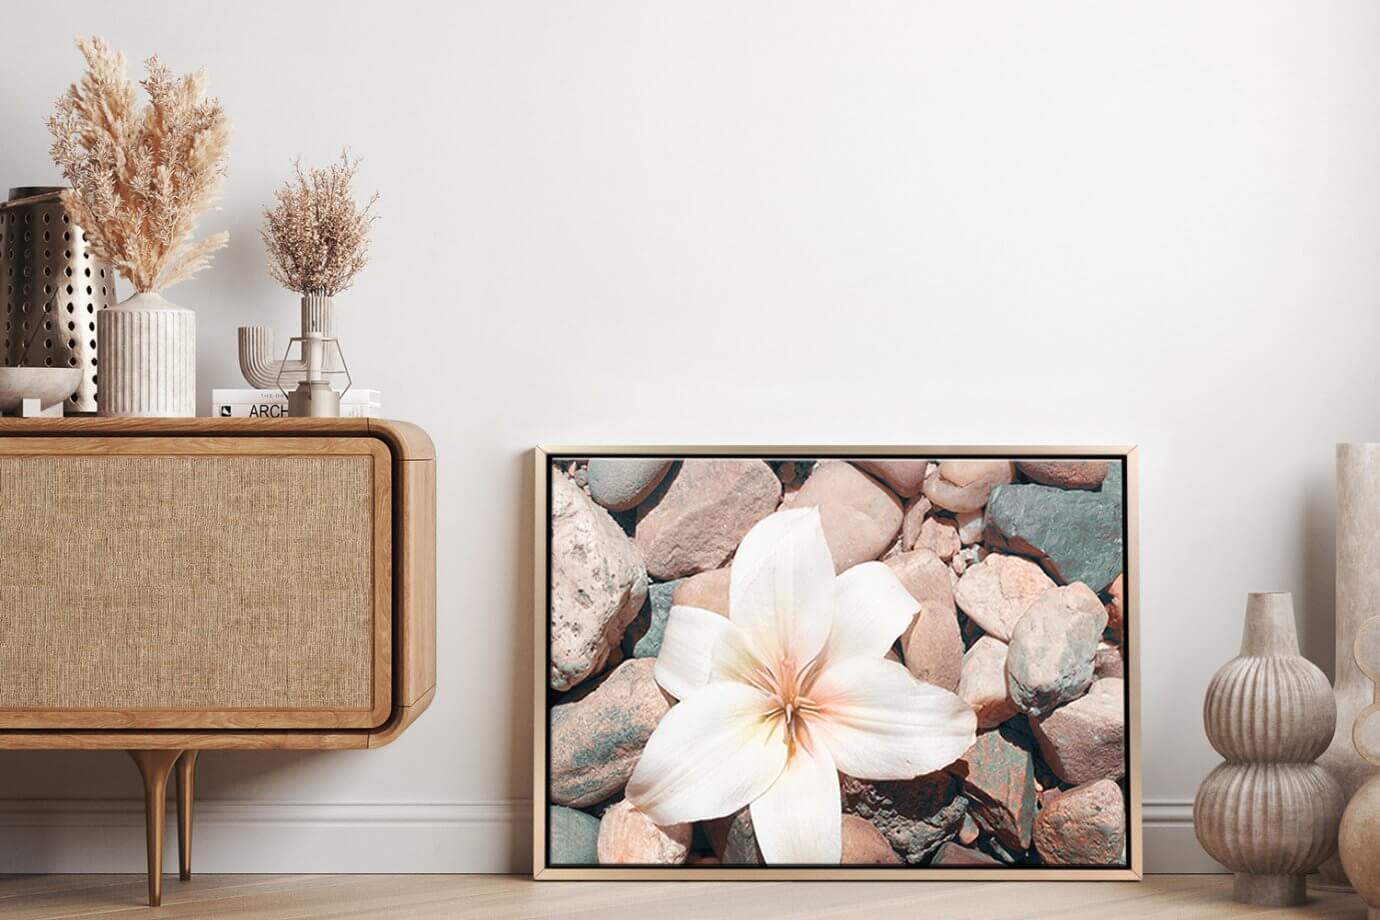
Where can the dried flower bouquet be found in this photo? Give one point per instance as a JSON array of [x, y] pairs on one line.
[[141, 176], [317, 235]]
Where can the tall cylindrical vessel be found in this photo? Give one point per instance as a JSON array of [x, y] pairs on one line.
[[1359, 839], [147, 358], [1269, 813], [51, 290], [1358, 599]]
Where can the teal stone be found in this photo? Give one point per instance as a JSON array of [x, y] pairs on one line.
[[574, 837], [643, 636], [1075, 535]]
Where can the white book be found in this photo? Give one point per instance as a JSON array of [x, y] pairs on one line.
[[279, 409], [243, 396]]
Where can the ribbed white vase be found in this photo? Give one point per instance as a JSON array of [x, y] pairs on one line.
[[1269, 813], [146, 358]]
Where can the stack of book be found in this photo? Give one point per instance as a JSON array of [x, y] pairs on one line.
[[244, 403]]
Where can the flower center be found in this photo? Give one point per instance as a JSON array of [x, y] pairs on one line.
[[789, 689]]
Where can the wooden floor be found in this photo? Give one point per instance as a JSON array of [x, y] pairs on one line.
[[279, 897]]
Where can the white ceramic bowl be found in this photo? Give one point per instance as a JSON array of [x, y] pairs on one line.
[[49, 385]]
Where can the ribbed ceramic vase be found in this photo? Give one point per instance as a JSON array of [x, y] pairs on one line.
[[1269, 813], [146, 358]]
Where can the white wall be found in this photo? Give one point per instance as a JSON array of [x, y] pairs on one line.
[[788, 222]]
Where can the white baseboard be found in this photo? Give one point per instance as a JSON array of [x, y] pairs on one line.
[[1170, 845], [470, 837]]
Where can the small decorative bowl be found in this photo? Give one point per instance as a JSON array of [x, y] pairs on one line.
[[49, 385]]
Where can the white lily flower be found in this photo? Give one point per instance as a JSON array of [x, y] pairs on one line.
[[788, 691]]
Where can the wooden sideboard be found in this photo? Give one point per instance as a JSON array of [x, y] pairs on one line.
[[171, 586]]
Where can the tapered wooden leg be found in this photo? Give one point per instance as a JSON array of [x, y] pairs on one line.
[[155, 766], [186, 773]]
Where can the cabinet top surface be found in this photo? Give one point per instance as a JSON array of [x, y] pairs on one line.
[[409, 442]]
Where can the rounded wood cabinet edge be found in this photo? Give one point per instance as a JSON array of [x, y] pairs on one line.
[[403, 716], [408, 440]]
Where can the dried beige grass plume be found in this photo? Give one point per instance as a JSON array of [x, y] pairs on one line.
[[318, 235], [140, 177]]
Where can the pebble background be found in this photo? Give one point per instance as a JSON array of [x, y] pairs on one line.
[[1017, 567]]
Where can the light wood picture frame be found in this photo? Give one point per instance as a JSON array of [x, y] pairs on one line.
[[620, 530]]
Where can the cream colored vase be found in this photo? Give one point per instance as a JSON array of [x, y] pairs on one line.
[[146, 358], [1269, 813], [1359, 846], [1358, 598]]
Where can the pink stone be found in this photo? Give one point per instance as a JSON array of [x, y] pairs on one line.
[[628, 837], [598, 584], [934, 646], [939, 536], [983, 682], [1086, 740], [965, 485], [707, 591], [1066, 474], [1085, 826], [916, 510], [969, 832], [597, 741], [905, 477], [996, 592], [970, 526], [703, 514], [1108, 662], [864, 845], [861, 517], [927, 578], [1116, 610], [951, 854], [999, 781]]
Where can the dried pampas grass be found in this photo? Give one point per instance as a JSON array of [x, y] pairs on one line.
[[141, 177], [317, 235]]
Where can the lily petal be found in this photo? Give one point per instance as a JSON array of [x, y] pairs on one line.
[[781, 586], [687, 647], [799, 819], [879, 722], [871, 609], [710, 755]]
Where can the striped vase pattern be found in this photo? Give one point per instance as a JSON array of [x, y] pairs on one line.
[[146, 358], [1269, 813]]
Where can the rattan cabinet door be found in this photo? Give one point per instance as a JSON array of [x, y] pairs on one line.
[[188, 582]]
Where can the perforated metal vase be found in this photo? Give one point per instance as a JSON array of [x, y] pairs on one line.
[[51, 288]]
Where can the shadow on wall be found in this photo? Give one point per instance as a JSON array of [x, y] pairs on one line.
[[106, 775], [1317, 552]]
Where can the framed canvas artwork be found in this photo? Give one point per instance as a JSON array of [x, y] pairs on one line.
[[820, 662]]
